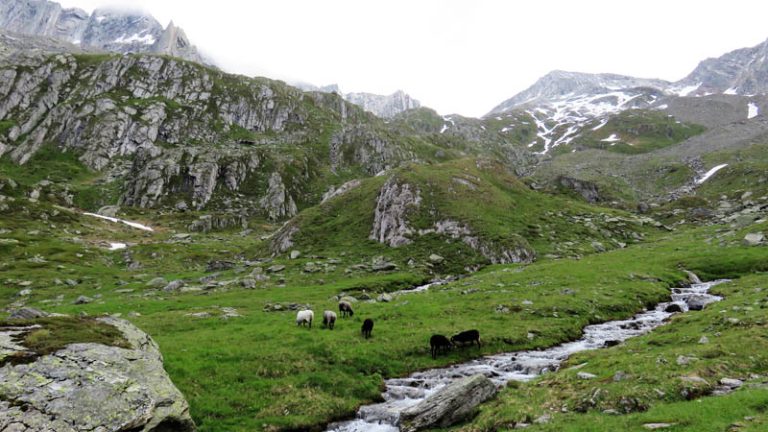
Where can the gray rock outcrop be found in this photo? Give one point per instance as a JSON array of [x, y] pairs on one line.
[[453, 403], [278, 203], [383, 106], [588, 190], [94, 387], [390, 222], [175, 133]]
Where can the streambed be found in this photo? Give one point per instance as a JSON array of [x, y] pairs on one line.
[[402, 393]]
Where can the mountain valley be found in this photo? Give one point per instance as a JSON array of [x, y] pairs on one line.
[[584, 199]]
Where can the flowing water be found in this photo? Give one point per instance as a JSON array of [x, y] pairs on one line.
[[402, 393]]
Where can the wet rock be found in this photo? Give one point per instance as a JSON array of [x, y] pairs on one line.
[[88, 386], [698, 302], [673, 308], [449, 405]]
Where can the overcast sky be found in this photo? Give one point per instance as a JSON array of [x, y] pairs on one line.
[[456, 56]]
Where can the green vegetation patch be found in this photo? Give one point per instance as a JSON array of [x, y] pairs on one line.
[[56, 333], [637, 131]]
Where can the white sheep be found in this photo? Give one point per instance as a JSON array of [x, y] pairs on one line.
[[305, 317]]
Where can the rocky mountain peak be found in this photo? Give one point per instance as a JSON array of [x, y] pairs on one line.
[[743, 72], [560, 85], [386, 106], [122, 31]]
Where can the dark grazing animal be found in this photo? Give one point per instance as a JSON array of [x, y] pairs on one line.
[[470, 336], [439, 343], [329, 319], [345, 308], [367, 328]]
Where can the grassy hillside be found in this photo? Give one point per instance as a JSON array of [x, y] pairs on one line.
[[477, 194], [244, 365], [636, 131]]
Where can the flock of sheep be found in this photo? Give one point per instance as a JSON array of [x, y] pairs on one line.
[[438, 343], [306, 317]]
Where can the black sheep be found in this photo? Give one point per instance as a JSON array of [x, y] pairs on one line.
[[345, 308], [367, 327], [470, 336], [437, 343]]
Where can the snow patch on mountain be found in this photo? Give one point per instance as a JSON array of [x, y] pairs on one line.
[[752, 110], [710, 173], [147, 39]]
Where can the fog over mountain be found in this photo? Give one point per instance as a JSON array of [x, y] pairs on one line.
[[453, 56]]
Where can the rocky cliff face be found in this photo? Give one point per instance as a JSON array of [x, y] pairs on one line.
[[383, 106], [178, 133], [108, 30], [89, 386], [740, 72], [390, 221], [386, 106]]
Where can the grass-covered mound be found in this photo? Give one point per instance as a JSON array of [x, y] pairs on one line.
[[479, 199]]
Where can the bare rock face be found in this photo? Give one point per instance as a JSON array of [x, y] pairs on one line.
[[278, 202], [174, 131], [283, 238], [448, 406], [517, 252], [586, 189], [90, 386], [390, 223], [104, 29]]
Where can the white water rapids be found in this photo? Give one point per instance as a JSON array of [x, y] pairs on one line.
[[402, 393]]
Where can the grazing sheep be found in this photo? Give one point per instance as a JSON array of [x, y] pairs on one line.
[[345, 308], [470, 336], [439, 343], [329, 319], [305, 317], [367, 327]]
